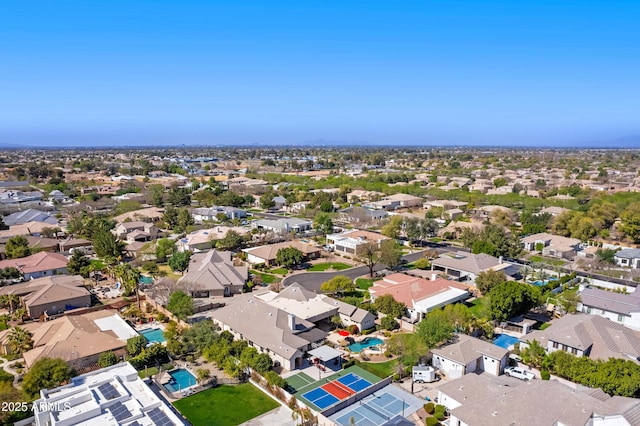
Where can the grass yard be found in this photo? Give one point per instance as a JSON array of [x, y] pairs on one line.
[[365, 283], [380, 369], [147, 372], [320, 267], [548, 260], [281, 271], [266, 278], [476, 307], [170, 273], [225, 405]]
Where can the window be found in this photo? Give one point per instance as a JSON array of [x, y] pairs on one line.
[[589, 310], [574, 351], [555, 345], [620, 318]]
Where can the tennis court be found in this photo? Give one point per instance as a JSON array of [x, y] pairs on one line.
[[336, 390], [373, 410]]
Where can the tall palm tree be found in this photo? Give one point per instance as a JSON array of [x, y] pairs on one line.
[[10, 300], [20, 313], [20, 340]]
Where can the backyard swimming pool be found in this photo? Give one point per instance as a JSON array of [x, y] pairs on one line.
[[505, 341], [153, 335], [180, 380], [365, 343]]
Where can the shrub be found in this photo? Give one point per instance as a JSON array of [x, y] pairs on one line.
[[545, 375], [368, 331], [396, 377], [353, 329], [429, 407], [350, 363], [432, 421]]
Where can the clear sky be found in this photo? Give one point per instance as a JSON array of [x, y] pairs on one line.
[[382, 72]]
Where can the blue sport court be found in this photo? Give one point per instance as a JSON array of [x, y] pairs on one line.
[[350, 384], [373, 410]]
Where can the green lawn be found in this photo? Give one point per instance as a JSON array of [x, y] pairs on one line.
[[266, 278], [6, 377], [225, 405], [365, 283], [3, 325], [338, 266], [380, 369], [281, 271], [550, 261], [147, 372], [476, 307]]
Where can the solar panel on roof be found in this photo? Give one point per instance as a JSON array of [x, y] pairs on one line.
[[159, 418], [108, 391], [119, 411]]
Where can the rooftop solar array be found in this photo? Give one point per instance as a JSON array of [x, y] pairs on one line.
[[108, 391], [159, 418], [119, 411]]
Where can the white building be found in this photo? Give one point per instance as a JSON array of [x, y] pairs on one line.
[[110, 396], [470, 355]]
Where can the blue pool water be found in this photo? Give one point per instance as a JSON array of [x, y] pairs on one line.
[[153, 335], [541, 283], [505, 341], [146, 280], [180, 380], [365, 343]]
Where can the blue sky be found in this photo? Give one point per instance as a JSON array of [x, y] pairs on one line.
[[381, 72]]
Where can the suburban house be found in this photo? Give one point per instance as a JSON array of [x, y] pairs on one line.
[[618, 307], [243, 185], [358, 195], [30, 215], [552, 245], [12, 197], [313, 307], [149, 213], [284, 225], [553, 211], [267, 254], [397, 201], [70, 244], [53, 295], [357, 214], [588, 335], [109, 396], [627, 257], [284, 337], [354, 242], [38, 265], [204, 239], [137, 231], [214, 274], [418, 294], [78, 339], [481, 399], [203, 214], [463, 266], [470, 355]]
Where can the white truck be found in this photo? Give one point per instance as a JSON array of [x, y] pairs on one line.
[[423, 374], [519, 373]]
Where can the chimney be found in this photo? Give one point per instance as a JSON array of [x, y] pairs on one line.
[[500, 260], [292, 321], [434, 277]]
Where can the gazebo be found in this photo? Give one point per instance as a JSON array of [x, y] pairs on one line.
[[320, 356]]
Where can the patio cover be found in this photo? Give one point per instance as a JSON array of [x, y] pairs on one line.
[[325, 353]]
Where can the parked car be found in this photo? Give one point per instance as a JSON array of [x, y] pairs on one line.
[[519, 373]]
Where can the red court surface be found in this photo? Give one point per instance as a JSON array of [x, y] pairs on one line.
[[338, 390]]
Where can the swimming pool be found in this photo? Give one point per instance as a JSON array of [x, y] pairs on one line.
[[180, 380], [365, 343], [146, 280], [505, 341], [153, 335], [541, 283]]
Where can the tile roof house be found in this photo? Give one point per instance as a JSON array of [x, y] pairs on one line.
[[35, 285], [214, 274], [30, 215], [137, 231], [418, 294], [211, 213], [463, 266], [357, 214], [38, 265], [56, 297], [289, 224], [204, 239], [618, 307], [267, 253], [397, 201], [588, 335], [552, 245], [78, 339], [354, 241], [470, 355], [627, 257], [269, 329], [483, 400]]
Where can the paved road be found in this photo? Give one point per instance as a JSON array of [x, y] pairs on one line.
[[313, 280]]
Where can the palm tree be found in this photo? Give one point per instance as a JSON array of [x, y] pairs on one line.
[[19, 340], [526, 271], [129, 278], [10, 300], [20, 313]]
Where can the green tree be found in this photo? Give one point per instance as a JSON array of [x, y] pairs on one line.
[[46, 373], [232, 241], [390, 253], [170, 217], [129, 278], [184, 221], [393, 227], [266, 201], [488, 279], [107, 245], [533, 355], [17, 247], [289, 257], [157, 195], [370, 255], [180, 304], [165, 248], [136, 345], [179, 262], [338, 285], [323, 223], [435, 328], [200, 335], [107, 359], [20, 340], [511, 298], [606, 255], [389, 323], [78, 264], [387, 305]]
